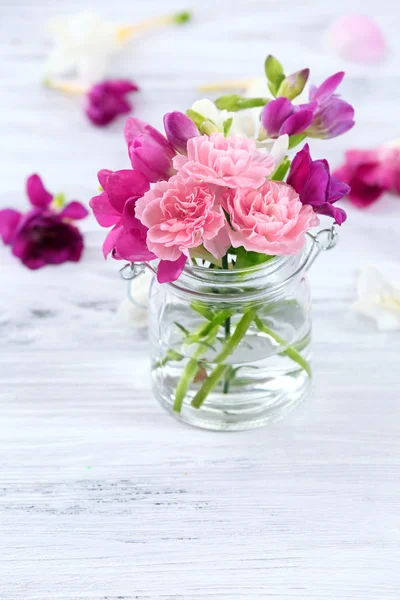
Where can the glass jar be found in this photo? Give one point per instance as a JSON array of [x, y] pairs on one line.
[[231, 348]]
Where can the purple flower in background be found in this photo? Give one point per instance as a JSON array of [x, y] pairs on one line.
[[106, 100], [179, 129], [43, 236], [150, 152], [333, 116], [316, 186], [280, 116]]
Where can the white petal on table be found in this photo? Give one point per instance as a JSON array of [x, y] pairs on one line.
[[378, 299]]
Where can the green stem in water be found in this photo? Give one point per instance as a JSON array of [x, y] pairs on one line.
[[289, 351], [186, 379], [239, 333], [225, 265], [209, 384]]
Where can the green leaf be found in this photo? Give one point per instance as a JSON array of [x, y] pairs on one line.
[[274, 72], [280, 173], [294, 140], [227, 126], [234, 102], [245, 258], [196, 117], [183, 17], [208, 127], [182, 328]]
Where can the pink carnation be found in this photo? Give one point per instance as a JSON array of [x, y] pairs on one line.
[[231, 162], [181, 214], [270, 220]]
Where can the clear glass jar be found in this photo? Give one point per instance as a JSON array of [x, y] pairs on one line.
[[231, 348]]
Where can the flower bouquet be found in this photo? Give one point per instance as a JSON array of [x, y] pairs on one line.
[[222, 215]]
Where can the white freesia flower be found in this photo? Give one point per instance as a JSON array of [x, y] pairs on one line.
[[378, 299], [133, 310], [84, 44], [277, 148], [242, 124]]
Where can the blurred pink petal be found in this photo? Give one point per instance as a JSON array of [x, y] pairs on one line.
[[357, 38], [74, 210], [9, 221]]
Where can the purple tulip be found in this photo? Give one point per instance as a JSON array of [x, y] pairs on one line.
[[316, 186], [280, 116], [333, 115], [106, 100], [42, 236], [179, 129], [150, 152], [115, 207]]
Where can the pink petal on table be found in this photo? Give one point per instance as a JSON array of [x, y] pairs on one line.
[[358, 38], [9, 221], [37, 193], [74, 210]]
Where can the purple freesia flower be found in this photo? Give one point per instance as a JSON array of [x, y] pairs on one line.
[[179, 129], [43, 236], [280, 116], [150, 152], [107, 99], [316, 186], [333, 116], [115, 206]]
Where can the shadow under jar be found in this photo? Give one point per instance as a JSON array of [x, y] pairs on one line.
[[231, 349]]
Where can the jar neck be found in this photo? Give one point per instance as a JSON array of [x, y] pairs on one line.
[[270, 278]]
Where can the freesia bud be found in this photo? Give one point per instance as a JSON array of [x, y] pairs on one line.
[[293, 84], [179, 129]]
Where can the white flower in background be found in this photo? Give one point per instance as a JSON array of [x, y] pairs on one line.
[[133, 310], [378, 299], [277, 148], [243, 125], [84, 44]]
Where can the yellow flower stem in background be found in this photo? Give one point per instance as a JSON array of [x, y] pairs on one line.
[[68, 87], [224, 86], [125, 33]]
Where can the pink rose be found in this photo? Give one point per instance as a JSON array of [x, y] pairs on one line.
[[270, 220], [230, 162], [181, 214], [370, 173]]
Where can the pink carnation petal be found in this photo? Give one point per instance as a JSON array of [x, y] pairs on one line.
[[74, 210], [219, 244], [9, 221], [37, 194], [358, 38]]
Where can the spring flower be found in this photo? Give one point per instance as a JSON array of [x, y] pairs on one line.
[[378, 299], [281, 117], [115, 206], [229, 162], [316, 186], [43, 236], [270, 220], [370, 173], [181, 214], [107, 100], [150, 152], [333, 115], [358, 38], [243, 125], [179, 130]]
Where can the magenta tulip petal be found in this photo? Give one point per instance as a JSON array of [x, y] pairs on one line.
[[358, 38], [327, 88], [150, 159], [275, 114], [37, 194], [9, 221], [123, 86], [299, 170], [129, 221], [125, 184], [297, 122], [169, 270], [105, 214], [106, 100], [111, 239], [136, 127], [74, 210], [131, 246], [102, 176], [179, 129]]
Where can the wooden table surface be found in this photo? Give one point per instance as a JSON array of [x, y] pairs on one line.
[[102, 494]]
